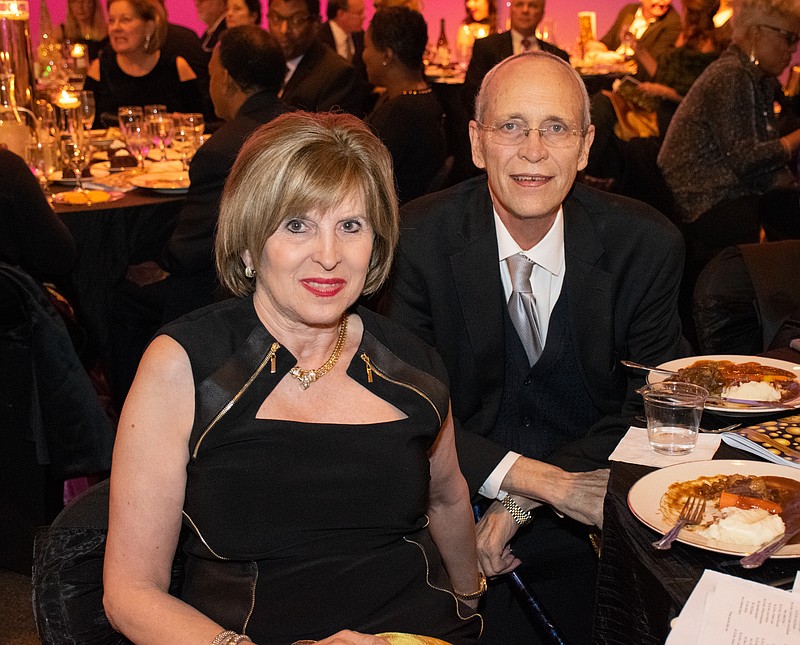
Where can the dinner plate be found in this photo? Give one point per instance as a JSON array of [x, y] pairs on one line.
[[65, 197], [105, 166], [170, 183], [644, 499], [57, 177], [735, 409]]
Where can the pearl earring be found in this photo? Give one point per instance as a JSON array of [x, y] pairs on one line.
[[249, 272]]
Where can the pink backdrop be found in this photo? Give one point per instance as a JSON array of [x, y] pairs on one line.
[[563, 12]]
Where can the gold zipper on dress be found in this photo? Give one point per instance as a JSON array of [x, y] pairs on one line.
[[269, 358], [371, 369]]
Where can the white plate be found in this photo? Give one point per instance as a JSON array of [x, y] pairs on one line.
[[734, 408], [644, 498], [170, 183], [57, 177]]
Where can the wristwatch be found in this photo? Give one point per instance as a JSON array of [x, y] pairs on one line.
[[520, 517]]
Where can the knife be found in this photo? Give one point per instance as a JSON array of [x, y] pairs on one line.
[[791, 520]]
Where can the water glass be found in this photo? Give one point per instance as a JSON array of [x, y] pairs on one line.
[[40, 161], [196, 120], [87, 108], [129, 115], [184, 139], [154, 109], [673, 412], [73, 157], [137, 140], [161, 130]]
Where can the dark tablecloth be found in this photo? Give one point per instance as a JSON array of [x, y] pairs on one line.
[[640, 590], [110, 237]]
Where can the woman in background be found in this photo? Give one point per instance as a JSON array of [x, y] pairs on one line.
[[86, 23], [136, 72], [407, 117], [481, 21], [724, 151], [243, 12]]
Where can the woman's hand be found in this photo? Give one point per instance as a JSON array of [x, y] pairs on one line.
[[494, 532], [346, 637]]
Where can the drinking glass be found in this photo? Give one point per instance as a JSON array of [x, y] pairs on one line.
[[87, 109], [73, 156], [673, 412], [137, 140], [154, 109], [127, 115], [161, 130], [39, 160], [184, 139], [195, 119]]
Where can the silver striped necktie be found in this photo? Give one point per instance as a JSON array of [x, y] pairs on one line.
[[522, 306]]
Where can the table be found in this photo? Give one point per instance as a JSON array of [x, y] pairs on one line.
[[110, 237], [640, 590]]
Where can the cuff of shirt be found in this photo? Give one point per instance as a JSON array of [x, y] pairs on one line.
[[491, 487]]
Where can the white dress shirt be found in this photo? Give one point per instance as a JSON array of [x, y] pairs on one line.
[[344, 41], [516, 42], [547, 279]]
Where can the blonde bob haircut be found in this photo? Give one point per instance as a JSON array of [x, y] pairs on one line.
[[300, 163]]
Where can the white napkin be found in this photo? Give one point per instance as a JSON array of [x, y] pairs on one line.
[[635, 449]]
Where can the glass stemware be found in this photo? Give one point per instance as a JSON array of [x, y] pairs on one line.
[[73, 157], [137, 140], [39, 160], [196, 120], [127, 115], [87, 108], [161, 131], [184, 139]]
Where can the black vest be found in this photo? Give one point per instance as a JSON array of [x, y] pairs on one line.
[[545, 406]]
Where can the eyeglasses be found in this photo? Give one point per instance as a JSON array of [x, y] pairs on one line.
[[790, 37], [295, 21], [554, 134]]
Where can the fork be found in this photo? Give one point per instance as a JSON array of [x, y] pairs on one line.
[[691, 513]]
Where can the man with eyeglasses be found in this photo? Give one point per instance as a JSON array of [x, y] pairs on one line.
[[317, 79], [532, 288]]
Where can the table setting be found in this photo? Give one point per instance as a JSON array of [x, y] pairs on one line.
[[723, 501]]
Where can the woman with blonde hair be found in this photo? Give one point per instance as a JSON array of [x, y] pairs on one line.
[[305, 444], [136, 71], [86, 23]]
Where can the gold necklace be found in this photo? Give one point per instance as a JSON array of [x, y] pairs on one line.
[[426, 90], [307, 377]]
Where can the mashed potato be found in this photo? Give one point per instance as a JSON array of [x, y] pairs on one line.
[[752, 391], [753, 526]]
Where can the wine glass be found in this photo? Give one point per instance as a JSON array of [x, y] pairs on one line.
[[40, 161], [154, 109], [197, 121], [87, 109], [184, 139], [137, 140], [127, 115], [161, 131], [73, 157]]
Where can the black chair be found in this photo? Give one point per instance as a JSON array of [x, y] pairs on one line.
[[747, 299]]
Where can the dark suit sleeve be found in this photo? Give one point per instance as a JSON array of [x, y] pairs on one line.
[[481, 62], [660, 38], [347, 92], [652, 336], [612, 37]]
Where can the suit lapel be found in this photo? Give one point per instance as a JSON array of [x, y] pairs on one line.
[[476, 273], [589, 289]]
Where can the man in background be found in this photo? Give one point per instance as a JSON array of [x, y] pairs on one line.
[[317, 79], [212, 14], [344, 31]]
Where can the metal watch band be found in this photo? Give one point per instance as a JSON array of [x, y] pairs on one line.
[[520, 517]]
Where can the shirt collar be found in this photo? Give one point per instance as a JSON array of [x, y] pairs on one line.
[[548, 253], [517, 38]]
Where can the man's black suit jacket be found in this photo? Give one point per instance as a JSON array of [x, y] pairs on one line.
[[623, 269], [659, 37], [324, 81], [326, 36], [190, 250], [486, 53]]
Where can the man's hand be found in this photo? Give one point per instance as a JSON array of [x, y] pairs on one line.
[[493, 534], [578, 495]]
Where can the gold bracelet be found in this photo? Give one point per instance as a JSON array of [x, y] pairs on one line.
[[520, 517], [238, 638], [222, 637], [475, 594]]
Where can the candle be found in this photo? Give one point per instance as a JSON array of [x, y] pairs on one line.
[[78, 54], [67, 101], [78, 51]]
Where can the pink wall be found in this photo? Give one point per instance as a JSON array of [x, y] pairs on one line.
[[563, 12]]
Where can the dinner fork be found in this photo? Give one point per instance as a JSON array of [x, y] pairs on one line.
[[691, 513]]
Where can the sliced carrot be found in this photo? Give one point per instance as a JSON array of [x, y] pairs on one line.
[[742, 501]]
